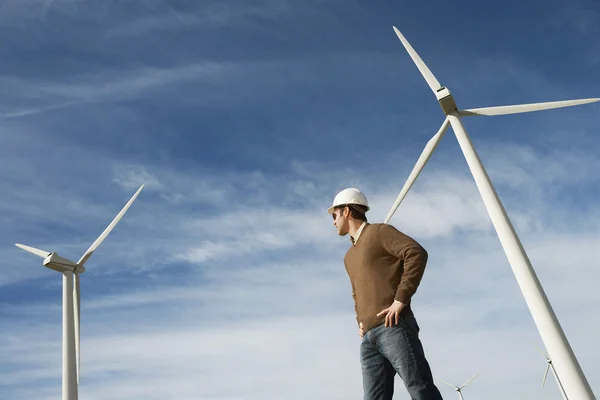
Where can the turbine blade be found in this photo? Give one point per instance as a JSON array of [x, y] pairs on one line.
[[558, 382], [423, 158], [76, 309], [108, 229], [470, 379], [448, 383], [427, 74], [545, 375], [522, 108], [33, 250]]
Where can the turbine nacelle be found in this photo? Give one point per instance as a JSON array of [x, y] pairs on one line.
[[446, 100], [59, 264]]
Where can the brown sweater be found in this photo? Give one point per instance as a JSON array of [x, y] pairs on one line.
[[384, 265]]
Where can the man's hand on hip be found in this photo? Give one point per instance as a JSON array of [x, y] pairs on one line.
[[392, 313]]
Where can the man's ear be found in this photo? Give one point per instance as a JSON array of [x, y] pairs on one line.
[[346, 212]]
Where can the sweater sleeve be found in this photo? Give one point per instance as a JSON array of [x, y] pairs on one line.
[[412, 254]]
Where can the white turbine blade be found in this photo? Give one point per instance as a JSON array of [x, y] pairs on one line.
[[448, 383], [108, 229], [427, 74], [33, 250], [545, 375], [522, 108], [470, 379], [76, 308], [423, 158]]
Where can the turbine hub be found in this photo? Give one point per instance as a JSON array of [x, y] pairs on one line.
[[446, 100]]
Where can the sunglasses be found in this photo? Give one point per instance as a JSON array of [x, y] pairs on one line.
[[335, 213]]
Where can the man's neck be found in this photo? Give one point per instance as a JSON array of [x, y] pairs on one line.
[[354, 225]]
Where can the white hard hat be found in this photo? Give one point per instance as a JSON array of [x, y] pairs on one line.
[[349, 196]]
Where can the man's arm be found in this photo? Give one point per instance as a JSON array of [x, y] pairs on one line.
[[411, 253], [353, 295], [355, 303]]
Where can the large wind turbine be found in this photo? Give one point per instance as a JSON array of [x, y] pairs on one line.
[[460, 388], [71, 303], [567, 367]]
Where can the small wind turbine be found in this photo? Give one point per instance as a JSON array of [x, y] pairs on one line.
[[567, 368], [550, 366], [459, 388], [71, 303]]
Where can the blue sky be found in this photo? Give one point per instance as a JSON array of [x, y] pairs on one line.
[[225, 279]]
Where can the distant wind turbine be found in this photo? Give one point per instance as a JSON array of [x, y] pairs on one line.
[[550, 366], [568, 369], [71, 303], [459, 388]]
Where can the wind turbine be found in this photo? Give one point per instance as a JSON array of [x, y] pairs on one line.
[[550, 366], [568, 369], [71, 303], [459, 388]]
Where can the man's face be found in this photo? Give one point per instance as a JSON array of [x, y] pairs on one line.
[[340, 221]]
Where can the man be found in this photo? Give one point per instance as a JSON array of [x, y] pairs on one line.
[[385, 268]]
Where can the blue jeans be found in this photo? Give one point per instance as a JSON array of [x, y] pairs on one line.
[[386, 351]]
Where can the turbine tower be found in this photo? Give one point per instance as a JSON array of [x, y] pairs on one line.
[[567, 367], [459, 388], [72, 302]]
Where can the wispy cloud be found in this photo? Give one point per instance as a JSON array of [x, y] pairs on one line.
[[38, 110], [147, 79], [163, 16]]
